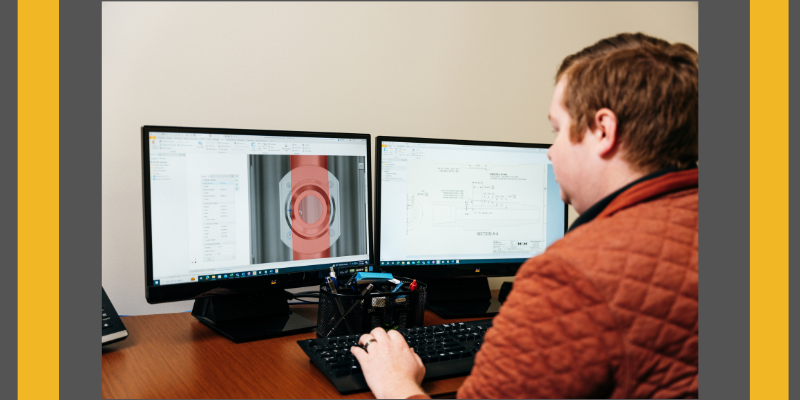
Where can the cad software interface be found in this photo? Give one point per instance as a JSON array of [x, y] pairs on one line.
[[236, 206], [456, 204]]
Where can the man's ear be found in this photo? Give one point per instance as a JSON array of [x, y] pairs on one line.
[[605, 122]]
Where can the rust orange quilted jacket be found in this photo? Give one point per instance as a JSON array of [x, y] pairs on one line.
[[610, 310]]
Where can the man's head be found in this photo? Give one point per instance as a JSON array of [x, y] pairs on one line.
[[623, 107]]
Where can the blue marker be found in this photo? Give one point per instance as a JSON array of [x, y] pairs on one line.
[[396, 288], [399, 285]]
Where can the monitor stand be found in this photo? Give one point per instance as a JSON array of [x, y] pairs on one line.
[[248, 317], [461, 298]]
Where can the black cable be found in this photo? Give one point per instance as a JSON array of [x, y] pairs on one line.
[[312, 293], [304, 302], [307, 294]]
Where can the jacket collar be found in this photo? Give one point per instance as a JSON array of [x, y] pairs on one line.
[[656, 184]]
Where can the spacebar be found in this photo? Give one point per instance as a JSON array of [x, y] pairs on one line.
[[447, 369]]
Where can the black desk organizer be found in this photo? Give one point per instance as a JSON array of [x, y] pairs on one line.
[[398, 310]]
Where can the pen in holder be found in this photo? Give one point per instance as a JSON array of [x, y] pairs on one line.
[[345, 314], [348, 311], [331, 282]]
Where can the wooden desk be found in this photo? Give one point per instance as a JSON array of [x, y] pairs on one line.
[[175, 356]]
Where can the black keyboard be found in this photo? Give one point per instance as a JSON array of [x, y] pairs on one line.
[[446, 350], [113, 329]]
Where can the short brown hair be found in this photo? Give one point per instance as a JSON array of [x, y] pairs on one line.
[[651, 86]]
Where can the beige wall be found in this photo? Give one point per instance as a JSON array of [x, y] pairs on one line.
[[481, 71]]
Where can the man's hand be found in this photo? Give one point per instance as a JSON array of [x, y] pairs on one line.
[[391, 368]]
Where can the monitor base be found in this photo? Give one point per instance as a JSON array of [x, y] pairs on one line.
[[258, 328], [245, 318], [461, 298]]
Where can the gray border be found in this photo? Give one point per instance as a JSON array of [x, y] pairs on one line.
[[724, 199], [794, 191], [80, 198], [8, 164], [724, 277]]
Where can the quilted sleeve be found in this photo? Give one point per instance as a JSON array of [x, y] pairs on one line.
[[553, 338]]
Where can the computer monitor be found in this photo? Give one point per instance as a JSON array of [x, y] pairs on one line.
[[234, 217], [454, 212]]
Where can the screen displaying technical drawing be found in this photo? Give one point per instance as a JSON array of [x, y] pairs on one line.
[[470, 207], [466, 202]]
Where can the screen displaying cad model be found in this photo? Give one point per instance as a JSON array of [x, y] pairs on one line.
[[330, 217], [461, 203], [231, 206]]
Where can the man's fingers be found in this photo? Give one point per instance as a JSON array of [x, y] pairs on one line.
[[364, 339], [380, 335], [397, 337], [358, 352]]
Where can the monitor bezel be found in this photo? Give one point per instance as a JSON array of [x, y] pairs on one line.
[[255, 284], [446, 271]]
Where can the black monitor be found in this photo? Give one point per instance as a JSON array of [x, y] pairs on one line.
[[454, 212], [234, 217]]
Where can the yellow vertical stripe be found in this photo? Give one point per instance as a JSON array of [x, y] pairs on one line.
[[37, 229], [769, 199]]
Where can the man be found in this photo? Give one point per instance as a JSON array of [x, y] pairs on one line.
[[610, 310]]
